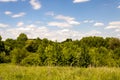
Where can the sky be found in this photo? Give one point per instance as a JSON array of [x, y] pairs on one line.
[[59, 19]]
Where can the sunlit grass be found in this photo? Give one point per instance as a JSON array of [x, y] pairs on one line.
[[14, 72]]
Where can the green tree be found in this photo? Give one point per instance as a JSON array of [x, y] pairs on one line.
[[50, 55], [41, 52], [2, 57], [93, 41], [9, 45], [18, 54], [101, 57], [21, 39], [2, 47], [32, 59], [31, 45], [0, 38], [70, 53], [116, 56], [84, 59], [114, 43]]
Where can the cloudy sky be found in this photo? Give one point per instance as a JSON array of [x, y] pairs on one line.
[[59, 19]]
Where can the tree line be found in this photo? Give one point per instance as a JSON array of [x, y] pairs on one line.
[[89, 51]]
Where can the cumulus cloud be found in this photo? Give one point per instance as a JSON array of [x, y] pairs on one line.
[[21, 14], [59, 24], [74, 22], [80, 1], [117, 30], [34, 31], [8, 0], [35, 4], [65, 22], [63, 34], [98, 24], [19, 24], [93, 33], [88, 21], [66, 18], [118, 7], [113, 25], [3, 25], [8, 12]]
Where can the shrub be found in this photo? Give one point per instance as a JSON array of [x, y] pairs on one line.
[[18, 54], [32, 59]]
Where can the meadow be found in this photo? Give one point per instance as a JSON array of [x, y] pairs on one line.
[[16, 72]]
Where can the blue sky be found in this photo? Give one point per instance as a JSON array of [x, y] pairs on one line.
[[59, 19]]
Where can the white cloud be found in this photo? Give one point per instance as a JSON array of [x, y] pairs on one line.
[[8, 0], [59, 24], [69, 20], [88, 21], [93, 33], [3, 25], [117, 30], [66, 18], [35, 4], [118, 6], [113, 25], [65, 22], [19, 24], [74, 22], [67, 34], [18, 15], [63, 34], [33, 31], [80, 1], [97, 24], [8, 12]]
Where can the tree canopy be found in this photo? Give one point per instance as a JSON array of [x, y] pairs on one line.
[[89, 51]]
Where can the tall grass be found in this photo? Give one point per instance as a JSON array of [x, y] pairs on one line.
[[14, 72]]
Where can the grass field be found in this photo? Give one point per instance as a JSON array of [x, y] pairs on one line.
[[13, 72]]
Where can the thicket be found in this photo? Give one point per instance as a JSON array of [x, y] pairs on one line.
[[89, 51]]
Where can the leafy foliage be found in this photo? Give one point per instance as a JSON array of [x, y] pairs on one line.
[[32, 59], [17, 55], [89, 51]]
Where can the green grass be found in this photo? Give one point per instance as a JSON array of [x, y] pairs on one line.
[[14, 72]]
